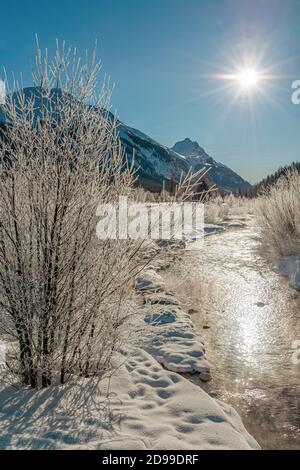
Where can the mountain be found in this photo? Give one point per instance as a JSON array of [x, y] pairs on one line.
[[156, 164], [222, 176]]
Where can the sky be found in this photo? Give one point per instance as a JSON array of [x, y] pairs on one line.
[[170, 61]]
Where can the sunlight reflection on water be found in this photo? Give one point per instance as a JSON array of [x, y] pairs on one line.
[[254, 319]]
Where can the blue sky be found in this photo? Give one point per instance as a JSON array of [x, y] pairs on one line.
[[166, 58]]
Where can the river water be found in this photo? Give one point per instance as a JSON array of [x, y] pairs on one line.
[[249, 317]]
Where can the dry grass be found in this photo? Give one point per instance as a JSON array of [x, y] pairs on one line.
[[278, 215], [219, 208], [193, 294]]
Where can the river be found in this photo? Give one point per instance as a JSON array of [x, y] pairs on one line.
[[249, 317]]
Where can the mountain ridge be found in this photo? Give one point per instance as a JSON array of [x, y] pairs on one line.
[[221, 175], [159, 166]]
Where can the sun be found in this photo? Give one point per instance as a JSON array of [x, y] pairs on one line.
[[248, 78]]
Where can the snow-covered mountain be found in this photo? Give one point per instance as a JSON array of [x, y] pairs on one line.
[[222, 176], [157, 164]]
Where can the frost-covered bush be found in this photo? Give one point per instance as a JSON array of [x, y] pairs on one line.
[[215, 210], [278, 211], [62, 291], [218, 208]]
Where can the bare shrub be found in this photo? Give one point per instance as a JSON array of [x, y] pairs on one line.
[[215, 210], [219, 208], [186, 189], [278, 214], [63, 292], [238, 205]]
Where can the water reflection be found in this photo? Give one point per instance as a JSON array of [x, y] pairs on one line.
[[254, 320]]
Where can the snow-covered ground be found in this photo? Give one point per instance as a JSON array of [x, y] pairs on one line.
[[145, 404], [142, 406], [171, 338]]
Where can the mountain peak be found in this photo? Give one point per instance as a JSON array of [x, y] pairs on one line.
[[157, 166], [187, 147]]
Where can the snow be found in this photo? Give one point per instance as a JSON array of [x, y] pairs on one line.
[[157, 160], [289, 266], [174, 342], [146, 404], [159, 264], [171, 340], [228, 224], [149, 280], [164, 161], [188, 148], [160, 299], [211, 229], [167, 244], [142, 406], [221, 175]]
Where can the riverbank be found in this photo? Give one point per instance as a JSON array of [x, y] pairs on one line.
[[248, 316], [153, 400]]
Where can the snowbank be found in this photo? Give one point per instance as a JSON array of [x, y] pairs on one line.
[[146, 404], [172, 339], [211, 229], [289, 266], [174, 342], [149, 280], [143, 406]]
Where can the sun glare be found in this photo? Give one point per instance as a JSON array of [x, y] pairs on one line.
[[248, 78]]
